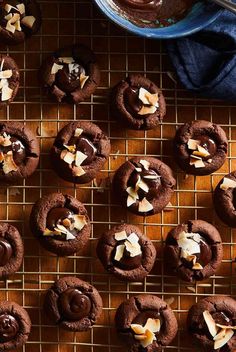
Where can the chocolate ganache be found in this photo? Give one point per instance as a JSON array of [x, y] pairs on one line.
[[154, 13], [74, 305], [9, 327], [69, 77], [5, 251], [86, 146], [127, 262], [58, 216]]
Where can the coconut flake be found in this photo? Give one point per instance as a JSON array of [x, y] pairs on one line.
[[78, 132], [210, 322], [56, 68], [138, 329], [79, 158], [193, 144], [133, 238], [120, 236], [224, 340], [147, 110], [66, 60], [80, 221], [130, 201], [145, 164], [28, 21], [119, 252], [145, 206], [78, 171], [153, 325], [227, 183]]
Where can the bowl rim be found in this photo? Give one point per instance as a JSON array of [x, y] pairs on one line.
[[144, 32]]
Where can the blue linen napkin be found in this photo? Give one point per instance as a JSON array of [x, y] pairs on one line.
[[206, 61]]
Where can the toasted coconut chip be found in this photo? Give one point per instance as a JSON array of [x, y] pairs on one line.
[[28, 21], [224, 340], [6, 93], [78, 171], [132, 193], [79, 158], [147, 110], [192, 258], [5, 141], [145, 164], [80, 221], [69, 157], [145, 206], [78, 132], [66, 222], [220, 335], [1, 157], [138, 329], [138, 169], [153, 325], [8, 8], [71, 148], [83, 79], [193, 144], [21, 8], [62, 229], [210, 322], [150, 337], [203, 151], [197, 163], [227, 183], [141, 184], [48, 232], [56, 68], [120, 236], [140, 337], [5, 74], [136, 184], [9, 164], [209, 161], [188, 245], [226, 326], [133, 248], [18, 26], [8, 17], [191, 289], [130, 201], [148, 98], [10, 27], [197, 266], [66, 60], [119, 252], [133, 238]]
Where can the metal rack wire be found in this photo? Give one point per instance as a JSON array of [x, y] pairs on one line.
[[67, 22]]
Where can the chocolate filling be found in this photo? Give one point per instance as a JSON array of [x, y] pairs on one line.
[[74, 304], [153, 184], [86, 146], [126, 262], [5, 251], [9, 327], [57, 215], [208, 143], [68, 78]]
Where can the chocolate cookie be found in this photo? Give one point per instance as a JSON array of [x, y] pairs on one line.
[[11, 250], [138, 102], [225, 199], [125, 252], [193, 250], [19, 152], [9, 79], [145, 323], [71, 74], [15, 326], [200, 147], [73, 304], [60, 223], [80, 150], [18, 20], [212, 322], [144, 185]]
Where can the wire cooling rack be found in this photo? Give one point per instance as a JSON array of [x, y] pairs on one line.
[[67, 22]]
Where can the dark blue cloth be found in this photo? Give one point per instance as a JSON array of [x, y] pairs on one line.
[[206, 61]]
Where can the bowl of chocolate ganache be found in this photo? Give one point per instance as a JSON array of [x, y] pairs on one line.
[[161, 19]]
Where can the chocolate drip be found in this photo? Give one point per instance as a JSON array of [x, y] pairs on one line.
[[74, 305], [57, 215], [9, 327], [5, 251]]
